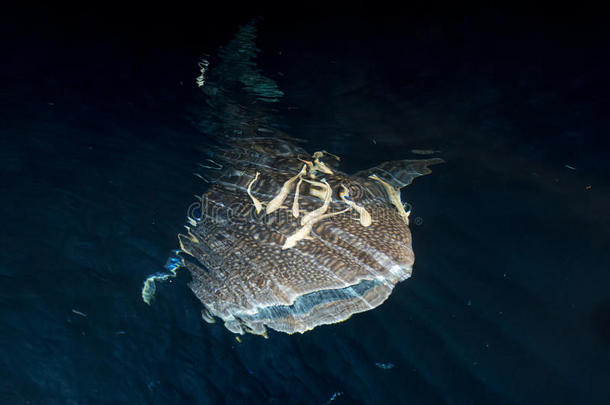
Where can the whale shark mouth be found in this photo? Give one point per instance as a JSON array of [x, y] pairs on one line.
[[305, 303], [326, 306]]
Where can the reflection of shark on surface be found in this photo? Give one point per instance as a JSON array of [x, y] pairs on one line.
[[283, 239]]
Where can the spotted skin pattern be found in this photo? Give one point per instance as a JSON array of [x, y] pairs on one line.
[[257, 268]]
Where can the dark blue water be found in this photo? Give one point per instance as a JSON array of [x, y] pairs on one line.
[[510, 296]]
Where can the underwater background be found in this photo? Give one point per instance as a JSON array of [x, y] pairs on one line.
[[509, 302]]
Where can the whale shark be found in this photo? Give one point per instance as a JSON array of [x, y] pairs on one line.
[[281, 238]]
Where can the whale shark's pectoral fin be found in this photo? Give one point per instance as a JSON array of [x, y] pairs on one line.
[[400, 173]]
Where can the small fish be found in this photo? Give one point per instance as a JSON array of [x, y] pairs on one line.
[[385, 366], [152, 384], [334, 396], [570, 167], [77, 312], [425, 151]]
